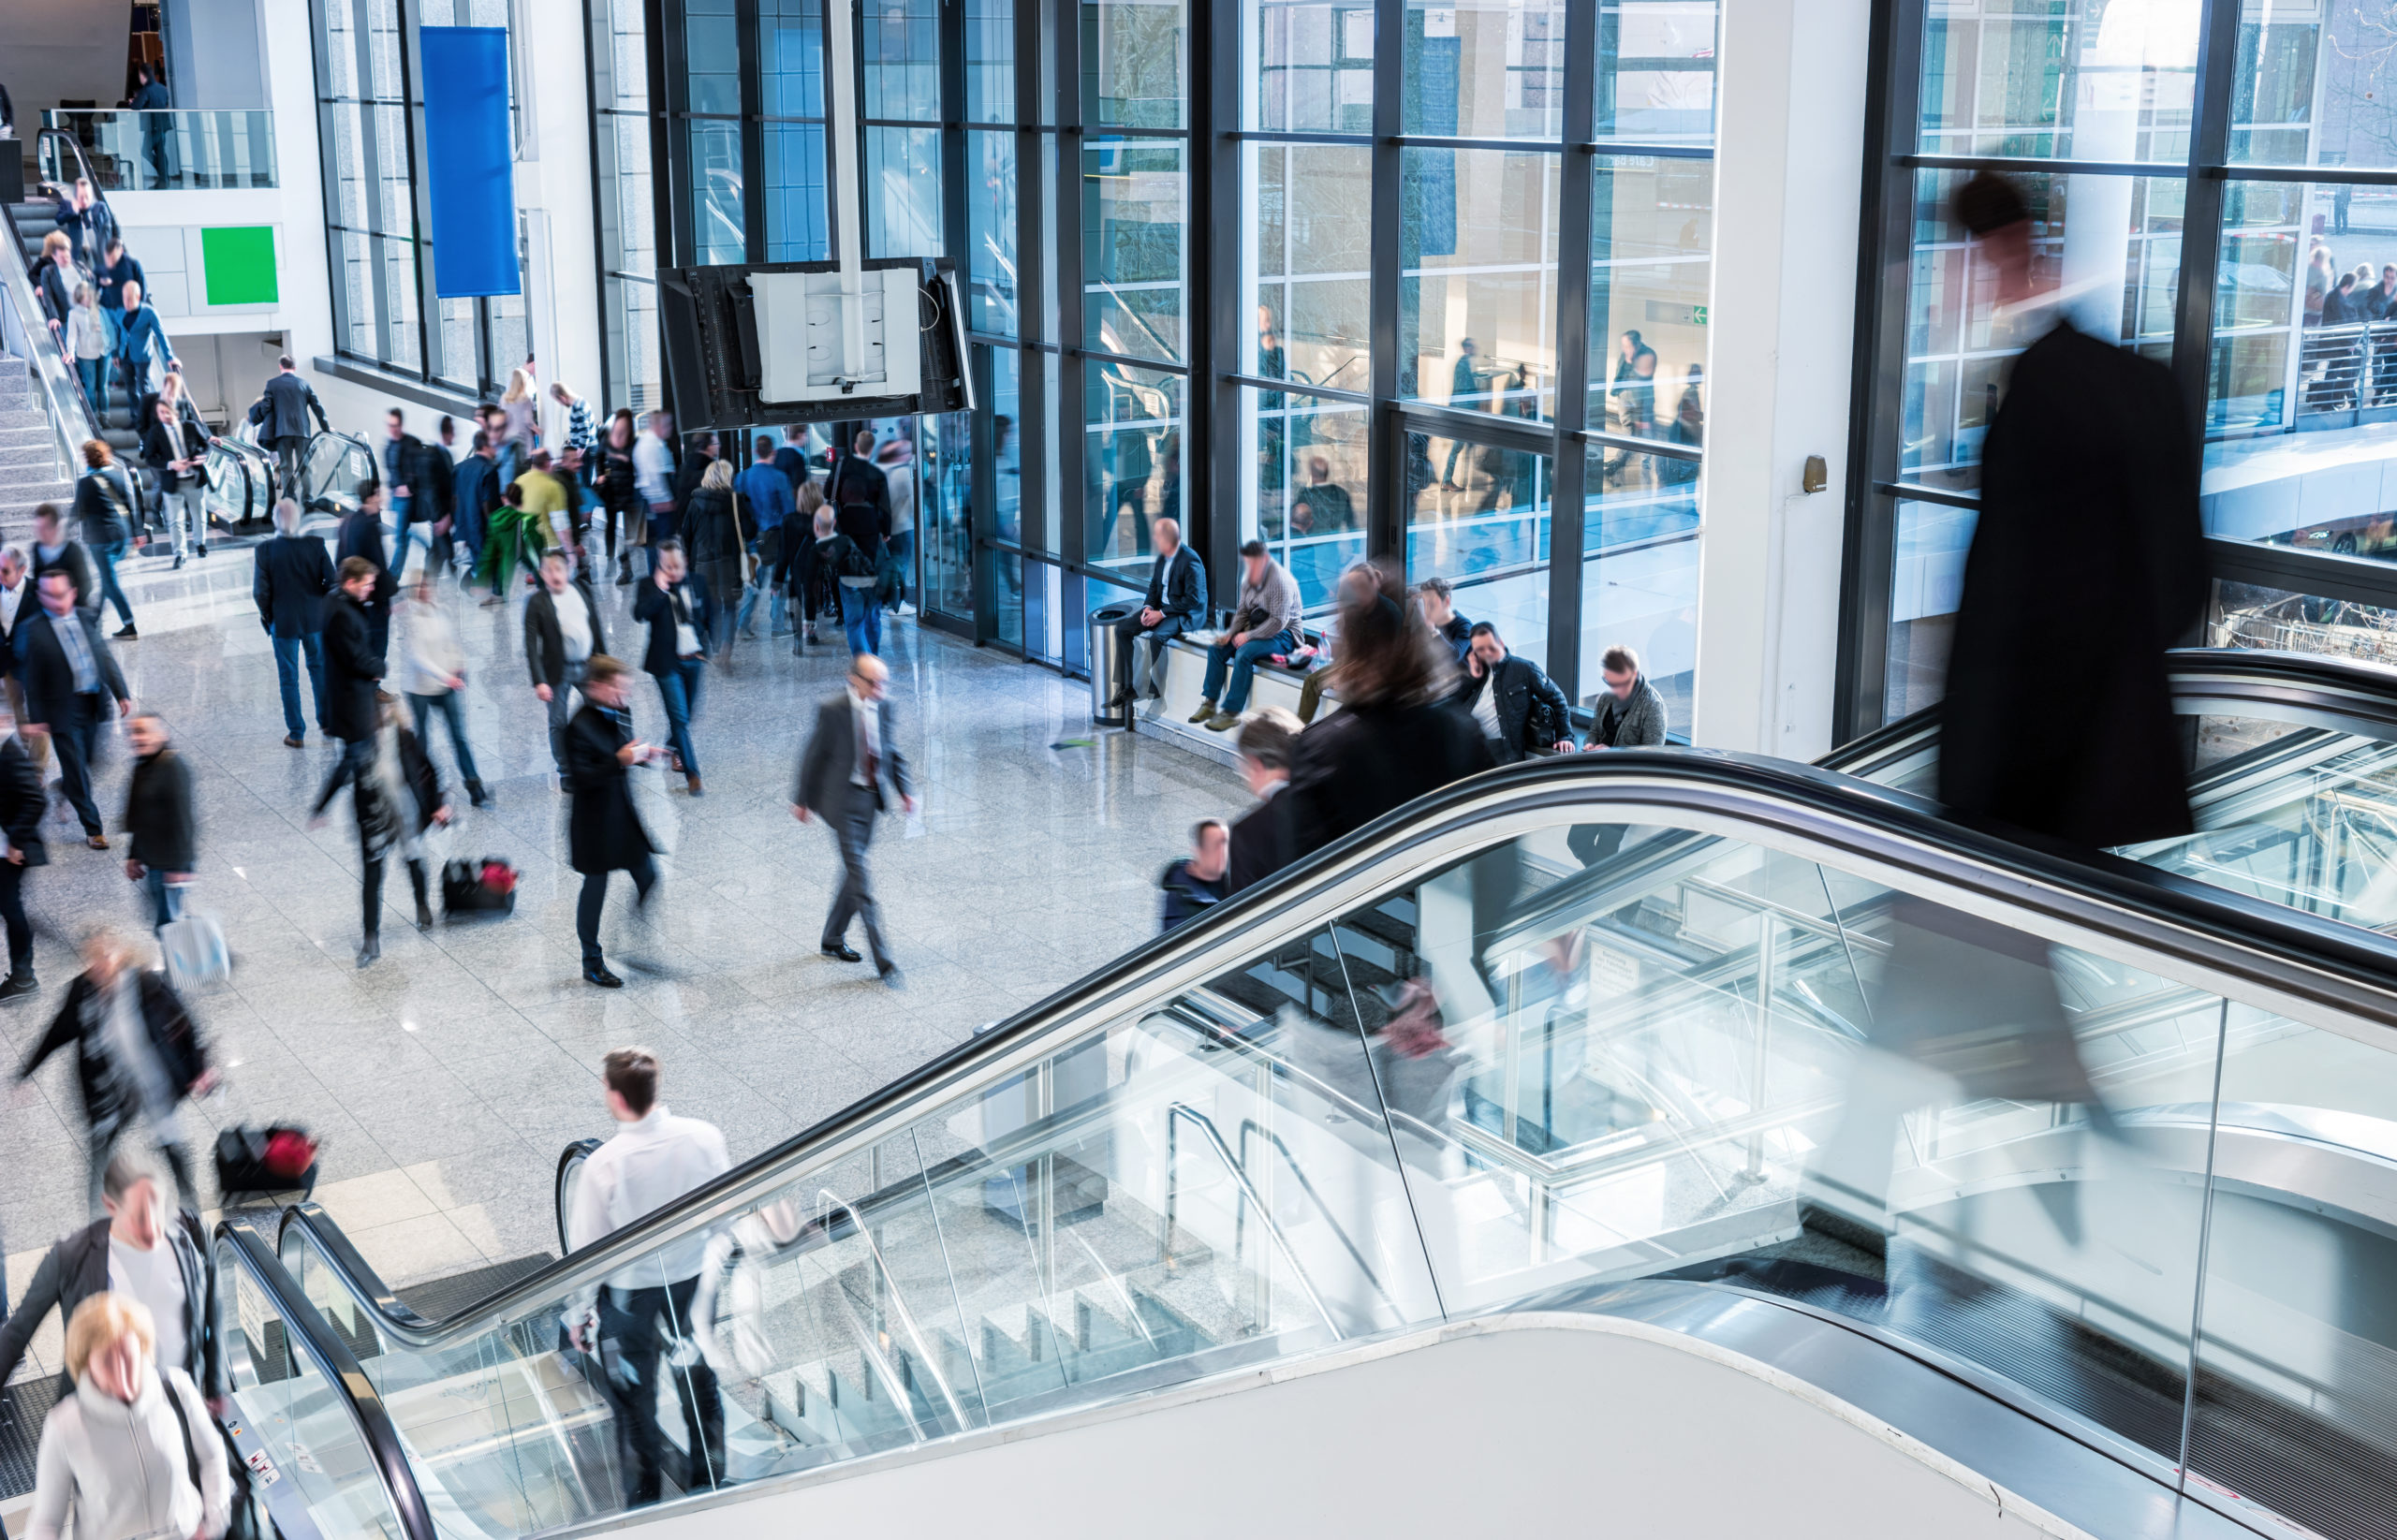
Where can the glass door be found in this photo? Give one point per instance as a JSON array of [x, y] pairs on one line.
[[945, 516]]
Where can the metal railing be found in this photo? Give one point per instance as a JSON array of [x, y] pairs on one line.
[[55, 146], [24, 332], [172, 150]]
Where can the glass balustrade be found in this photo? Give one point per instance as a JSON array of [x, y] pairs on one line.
[[155, 151], [1592, 1052]]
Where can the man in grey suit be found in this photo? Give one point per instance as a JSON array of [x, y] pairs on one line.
[[850, 757]]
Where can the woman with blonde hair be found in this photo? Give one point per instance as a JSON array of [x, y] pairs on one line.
[[521, 421], [132, 1452], [55, 275], [87, 342]]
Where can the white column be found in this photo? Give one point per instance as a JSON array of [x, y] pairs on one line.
[[1788, 169]]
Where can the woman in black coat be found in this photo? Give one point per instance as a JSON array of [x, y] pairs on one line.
[[117, 1095], [604, 832], [714, 533], [398, 795], [22, 805]]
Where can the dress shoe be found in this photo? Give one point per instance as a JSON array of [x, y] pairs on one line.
[[179, 564], [1206, 708], [843, 952], [125, 633], [695, 789], [597, 973], [204, 552], [293, 741], [368, 953], [98, 842], [17, 986], [423, 916], [891, 977], [477, 795]]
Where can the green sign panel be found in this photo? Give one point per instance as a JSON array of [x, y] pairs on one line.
[[239, 264]]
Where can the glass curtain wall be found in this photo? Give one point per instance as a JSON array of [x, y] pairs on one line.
[[1264, 276], [370, 126], [2210, 183], [622, 212]]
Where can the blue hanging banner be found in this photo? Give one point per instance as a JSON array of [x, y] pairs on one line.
[[469, 169]]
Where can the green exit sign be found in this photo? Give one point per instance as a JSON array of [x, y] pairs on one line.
[[1697, 313]]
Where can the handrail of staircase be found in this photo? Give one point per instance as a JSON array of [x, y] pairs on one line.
[[24, 327], [83, 170]]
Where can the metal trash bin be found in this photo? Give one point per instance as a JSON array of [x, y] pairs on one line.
[[1103, 681]]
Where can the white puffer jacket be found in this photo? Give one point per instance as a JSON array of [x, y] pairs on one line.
[[120, 1471]]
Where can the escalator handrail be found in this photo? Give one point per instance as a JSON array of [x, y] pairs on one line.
[[570, 1157], [309, 1219], [2220, 934], [305, 1327], [2304, 681], [99, 196]]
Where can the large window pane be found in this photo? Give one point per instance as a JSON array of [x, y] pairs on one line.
[[1132, 233], [991, 219], [1478, 516], [901, 50], [989, 61], [903, 192], [711, 55], [2113, 241], [1485, 69], [1307, 500], [717, 215], [2274, 620], [2086, 79], [1006, 446], [1639, 527], [790, 58], [797, 222], [1655, 80], [2301, 416], [1131, 461], [2311, 85], [1652, 234], [1134, 56], [1309, 255], [1476, 301], [1310, 67], [1932, 540]]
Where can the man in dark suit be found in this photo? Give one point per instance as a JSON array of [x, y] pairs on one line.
[[861, 496], [675, 606], [55, 550], [850, 758], [176, 453], [353, 669], [282, 417], [406, 484], [70, 677], [1261, 836], [1520, 709], [604, 832], [23, 802], [791, 459], [292, 580], [362, 535], [1176, 602], [474, 493]]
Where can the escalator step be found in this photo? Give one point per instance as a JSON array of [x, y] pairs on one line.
[[24, 1405], [448, 1296]]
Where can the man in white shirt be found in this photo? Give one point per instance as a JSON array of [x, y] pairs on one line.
[[644, 1308], [653, 475]]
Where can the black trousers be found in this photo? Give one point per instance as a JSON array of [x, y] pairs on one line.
[[12, 910], [643, 1323], [1594, 842], [595, 899], [373, 891], [356, 755], [75, 732]]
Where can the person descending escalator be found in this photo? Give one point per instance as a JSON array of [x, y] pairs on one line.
[[2087, 564]]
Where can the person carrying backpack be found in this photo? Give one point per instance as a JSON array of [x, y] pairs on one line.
[[104, 505]]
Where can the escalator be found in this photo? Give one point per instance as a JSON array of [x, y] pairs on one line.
[[1445, 1082], [244, 479]]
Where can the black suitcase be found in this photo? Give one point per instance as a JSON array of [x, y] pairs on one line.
[[464, 892], [242, 1166]]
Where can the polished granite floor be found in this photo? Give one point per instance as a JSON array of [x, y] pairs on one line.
[[444, 1079]]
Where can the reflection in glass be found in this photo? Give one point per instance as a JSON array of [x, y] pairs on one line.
[[1478, 516], [1132, 456], [1484, 70], [712, 56], [717, 230], [1651, 226], [1006, 446], [1656, 78], [2111, 245], [903, 197], [2083, 79], [1134, 55], [944, 511], [1476, 316], [1312, 66], [1926, 581], [1307, 501], [1639, 548], [899, 50], [2312, 86], [790, 58], [798, 216], [1132, 233], [1308, 251], [990, 221], [989, 61]]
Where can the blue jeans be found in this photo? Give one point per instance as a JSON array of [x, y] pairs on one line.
[[96, 382], [681, 692], [107, 552], [901, 547], [287, 651], [453, 711], [861, 617], [166, 898], [1242, 667]]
